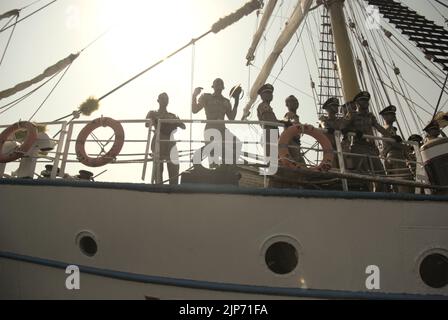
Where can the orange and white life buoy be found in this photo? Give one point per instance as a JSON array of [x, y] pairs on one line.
[[295, 130], [30, 139], [111, 154]]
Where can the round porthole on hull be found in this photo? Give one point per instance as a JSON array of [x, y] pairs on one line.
[[434, 270], [281, 255], [87, 243]]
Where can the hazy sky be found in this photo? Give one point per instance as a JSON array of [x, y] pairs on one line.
[[140, 33]]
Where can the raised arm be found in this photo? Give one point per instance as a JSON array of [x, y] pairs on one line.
[[231, 113], [195, 106]]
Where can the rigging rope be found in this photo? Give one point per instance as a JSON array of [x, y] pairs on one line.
[[438, 11], [31, 14], [193, 60], [9, 41], [10, 20], [440, 97], [51, 91], [31, 4], [441, 3], [290, 55], [405, 82], [17, 101], [311, 78], [287, 84], [223, 23]]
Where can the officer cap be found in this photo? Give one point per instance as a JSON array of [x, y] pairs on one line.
[[363, 95], [266, 88], [389, 109], [332, 102], [416, 138]]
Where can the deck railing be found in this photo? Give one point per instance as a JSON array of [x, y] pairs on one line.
[[62, 155]]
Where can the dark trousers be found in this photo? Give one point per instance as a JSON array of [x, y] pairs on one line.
[[173, 171], [368, 161]]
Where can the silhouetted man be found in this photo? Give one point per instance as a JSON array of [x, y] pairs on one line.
[[362, 123], [394, 151], [165, 134], [216, 108]]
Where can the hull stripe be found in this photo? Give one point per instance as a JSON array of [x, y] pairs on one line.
[[214, 189], [223, 287]]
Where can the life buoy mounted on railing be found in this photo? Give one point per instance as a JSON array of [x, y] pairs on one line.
[[111, 154], [30, 139], [295, 130]]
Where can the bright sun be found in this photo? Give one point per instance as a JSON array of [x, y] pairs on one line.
[[144, 30]]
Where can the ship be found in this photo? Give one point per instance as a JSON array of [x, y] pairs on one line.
[[237, 231]]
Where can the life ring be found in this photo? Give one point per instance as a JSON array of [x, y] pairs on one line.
[[111, 154], [295, 130], [30, 139]]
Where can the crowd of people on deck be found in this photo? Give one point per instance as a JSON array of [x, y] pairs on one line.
[[354, 120]]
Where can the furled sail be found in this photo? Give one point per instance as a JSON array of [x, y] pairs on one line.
[[50, 71], [245, 10], [262, 27], [297, 17], [9, 14]]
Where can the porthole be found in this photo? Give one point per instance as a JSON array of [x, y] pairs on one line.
[[434, 270], [87, 244], [282, 257]]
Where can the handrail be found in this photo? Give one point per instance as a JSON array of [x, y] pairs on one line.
[[63, 153]]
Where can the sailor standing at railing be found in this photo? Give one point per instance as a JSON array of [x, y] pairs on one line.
[[266, 113], [166, 130], [332, 123], [292, 118], [362, 123], [216, 107], [393, 152]]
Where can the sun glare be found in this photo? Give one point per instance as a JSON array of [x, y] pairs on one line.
[[144, 30]]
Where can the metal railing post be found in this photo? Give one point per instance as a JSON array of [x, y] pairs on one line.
[[337, 136], [148, 145], [66, 150], [420, 172], [156, 164], [57, 156], [2, 169]]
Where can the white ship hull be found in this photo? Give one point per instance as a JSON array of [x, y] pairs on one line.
[[204, 242]]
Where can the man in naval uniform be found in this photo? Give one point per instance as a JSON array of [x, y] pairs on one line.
[[166, 130], [292, 118], [265, 113], [394, 151], [216, 107], [362, 122], [411, 157], [332, 123]]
